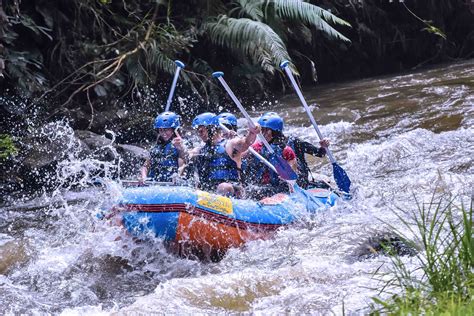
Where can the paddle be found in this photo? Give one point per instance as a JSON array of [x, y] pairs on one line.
[[136, 183], [340, 176], [179, 66], [284, 170], [176, 132], [256, 154]]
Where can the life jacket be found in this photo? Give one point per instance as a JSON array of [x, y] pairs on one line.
[[244, 169], [163, 162], [291, 143], [216, 166], [262, 169]]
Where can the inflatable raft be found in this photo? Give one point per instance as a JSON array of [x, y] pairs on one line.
[[194, 222]]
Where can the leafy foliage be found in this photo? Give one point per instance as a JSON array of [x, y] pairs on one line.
[[310, 14], [7, 147], [111, 47], [447, 262], [84, 51], [252, 38]]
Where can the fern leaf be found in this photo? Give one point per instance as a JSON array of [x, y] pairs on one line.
[[156, 58], [251, 38], [311, 14], [249, 8]]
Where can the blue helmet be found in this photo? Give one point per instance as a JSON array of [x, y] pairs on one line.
[[167, 120], [205, 119], [227, 118], [272, 121]]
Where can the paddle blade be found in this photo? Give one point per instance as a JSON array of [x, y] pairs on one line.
[[342, 179], [283, 168]]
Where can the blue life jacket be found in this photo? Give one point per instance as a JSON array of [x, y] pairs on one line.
[[291, 143], [244, 169], [163, 162], [261, 168], [216, 166]]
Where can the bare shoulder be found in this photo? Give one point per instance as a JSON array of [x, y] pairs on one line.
[[235, 142], [234, 146]]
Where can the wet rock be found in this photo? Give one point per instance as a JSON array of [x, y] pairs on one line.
[[92, 140], [55, 155], [131, 157], [104, 120], [77, 117], [384, 244], [97, 146], [45, 145], [12, 253], [9, 179], [39, 153]]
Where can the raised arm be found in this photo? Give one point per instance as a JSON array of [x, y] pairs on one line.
[[241, 144], [311, 149]]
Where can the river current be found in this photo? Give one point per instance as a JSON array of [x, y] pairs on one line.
[[398, 137]]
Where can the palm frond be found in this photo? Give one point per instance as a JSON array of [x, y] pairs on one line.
[[156, 58], [252, 38], [248, 8], [311, 14]]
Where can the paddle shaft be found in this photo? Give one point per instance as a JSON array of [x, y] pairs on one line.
[[262, 159], [308, 111], [147, 182], [179, 65], [247, 116], [256, 154]]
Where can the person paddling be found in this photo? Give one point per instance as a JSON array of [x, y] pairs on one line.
[[218, 162], [169, 152], [301, 147], [266, 182]]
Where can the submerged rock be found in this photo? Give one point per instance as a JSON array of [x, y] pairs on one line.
[[12, 253], [384, 244]]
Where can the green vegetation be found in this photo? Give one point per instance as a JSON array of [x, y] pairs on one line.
[[114, 47], [7, 147], [83, 58], [446, 285], [95, 48], [429, 25]]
